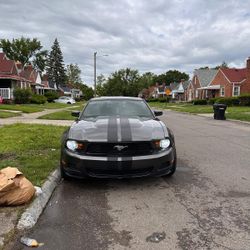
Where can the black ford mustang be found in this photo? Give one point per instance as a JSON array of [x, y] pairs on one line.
[[117, 137]]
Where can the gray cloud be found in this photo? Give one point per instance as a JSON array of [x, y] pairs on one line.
[[147, 35]]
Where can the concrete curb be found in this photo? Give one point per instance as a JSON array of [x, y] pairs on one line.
[[32, 213]]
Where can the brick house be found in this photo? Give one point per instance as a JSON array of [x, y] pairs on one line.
[[178, 90], [198, 87], [9, 77], [14, 75], [231, 82]]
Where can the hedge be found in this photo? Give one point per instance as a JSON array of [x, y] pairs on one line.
[[229, 101], [244, 99], [200, 102], [38, 99], [51, 96], [160, 99]]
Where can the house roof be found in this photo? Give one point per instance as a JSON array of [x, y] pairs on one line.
[[11, 76], [205, 76], [174, 85], [161, 88], [6, 66], [235, 75], [29, 73], [64, 88], [185, 84]]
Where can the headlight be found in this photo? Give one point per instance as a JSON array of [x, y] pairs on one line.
[[165, 143], [74, 145]]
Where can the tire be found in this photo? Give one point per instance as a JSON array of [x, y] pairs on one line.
[[63, 174], [68, 102]]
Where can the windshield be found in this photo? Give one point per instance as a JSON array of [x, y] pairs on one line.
[[117, 108]]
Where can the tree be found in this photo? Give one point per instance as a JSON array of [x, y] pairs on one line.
[[100, 89], [73, 73], [223, 66], [123, 82], [171, 76], [55, 66], [87, 91], [26, 51], [146, 80]]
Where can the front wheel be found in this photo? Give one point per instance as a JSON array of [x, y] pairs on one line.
[[63, 174]]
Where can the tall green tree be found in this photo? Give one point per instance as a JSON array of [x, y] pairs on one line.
[[146, 80], [55, 66], [26, 51], [73, 73], [100, 89], [123, 82], [171, 76]]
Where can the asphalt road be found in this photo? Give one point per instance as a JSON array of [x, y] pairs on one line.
[[205, 205]]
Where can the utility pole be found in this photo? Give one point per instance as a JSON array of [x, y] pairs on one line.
[[95, 74]]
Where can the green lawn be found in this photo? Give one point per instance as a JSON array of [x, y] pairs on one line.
[[32, 108], [237, 113], [5, 114], [26, 108], [60, 115], [33, 149], [183, 107]]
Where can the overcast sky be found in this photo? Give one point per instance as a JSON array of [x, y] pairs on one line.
[[147, 35]]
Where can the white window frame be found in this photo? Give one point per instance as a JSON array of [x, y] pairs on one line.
[[222, 91], [238, 92]]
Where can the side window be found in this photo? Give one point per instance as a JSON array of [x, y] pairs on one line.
[[236, 91], [222, 91]]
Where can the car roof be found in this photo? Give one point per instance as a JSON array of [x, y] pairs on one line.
[[115, 98]]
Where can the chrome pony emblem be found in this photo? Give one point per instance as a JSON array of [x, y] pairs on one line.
[[119, 147]]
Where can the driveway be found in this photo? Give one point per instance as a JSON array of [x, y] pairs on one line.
[[206, 205]]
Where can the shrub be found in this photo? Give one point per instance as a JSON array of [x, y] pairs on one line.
[[152, 100], [200, 102], [244, 99], [229, 101], [22, 96], [38, 99], [212, 101], [51, 96], [163, 99]]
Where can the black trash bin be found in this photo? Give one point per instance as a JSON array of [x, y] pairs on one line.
[[219, 111]]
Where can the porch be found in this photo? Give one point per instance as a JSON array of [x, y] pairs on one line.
[[209, 92]]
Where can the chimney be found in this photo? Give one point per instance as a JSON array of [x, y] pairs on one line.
[[248, 70]]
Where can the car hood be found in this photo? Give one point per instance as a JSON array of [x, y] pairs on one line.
[[115, 129]]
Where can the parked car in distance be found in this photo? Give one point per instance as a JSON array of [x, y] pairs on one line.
[[117, 137], [65, 99]]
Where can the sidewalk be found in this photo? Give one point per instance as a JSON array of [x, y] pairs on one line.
[[32, 118]]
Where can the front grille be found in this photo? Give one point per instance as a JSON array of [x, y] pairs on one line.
[[119, 149], [117, 172]]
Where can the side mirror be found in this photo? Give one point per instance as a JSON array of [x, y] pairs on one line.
[[75, 113], [158, 113]]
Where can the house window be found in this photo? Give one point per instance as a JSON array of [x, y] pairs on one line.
[[236, 91], [222, 91], [196, 93]]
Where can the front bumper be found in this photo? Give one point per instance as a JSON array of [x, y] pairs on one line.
[[82, 166]]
